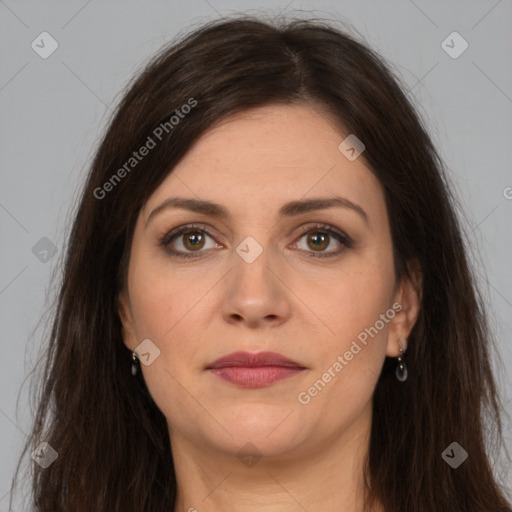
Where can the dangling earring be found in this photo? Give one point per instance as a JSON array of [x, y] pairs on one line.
[[135, 364], [401, 368]]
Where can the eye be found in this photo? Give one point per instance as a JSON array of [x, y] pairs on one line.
[[191, 239], [320, 236], [188, 241]]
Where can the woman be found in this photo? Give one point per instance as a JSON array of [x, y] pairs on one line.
[[267, 228]]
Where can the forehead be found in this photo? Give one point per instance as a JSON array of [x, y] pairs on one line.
[[271, 154]]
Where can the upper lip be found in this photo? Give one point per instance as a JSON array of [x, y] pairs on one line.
[[246, 359]]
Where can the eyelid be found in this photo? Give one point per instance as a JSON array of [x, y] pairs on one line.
[[331, 230], [169, 235], [342, 238], [322, 226]]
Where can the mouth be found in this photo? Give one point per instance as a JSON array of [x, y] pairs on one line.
[[254, 370]]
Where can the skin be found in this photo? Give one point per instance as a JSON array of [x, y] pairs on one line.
[[308, 309]]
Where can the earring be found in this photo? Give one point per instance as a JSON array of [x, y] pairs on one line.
[[401, 369], [135, 364]]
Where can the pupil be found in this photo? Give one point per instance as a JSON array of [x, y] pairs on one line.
[[318, 239], [194, 239]]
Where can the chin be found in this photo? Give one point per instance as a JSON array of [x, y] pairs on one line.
[[273, 429]]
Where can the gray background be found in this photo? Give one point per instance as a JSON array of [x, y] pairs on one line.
[[53, 112]]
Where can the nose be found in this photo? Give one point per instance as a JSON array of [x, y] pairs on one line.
[[257, 293]]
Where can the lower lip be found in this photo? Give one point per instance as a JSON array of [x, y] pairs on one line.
[[255, 377]]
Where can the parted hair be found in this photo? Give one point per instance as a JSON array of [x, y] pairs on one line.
[[112, 441]]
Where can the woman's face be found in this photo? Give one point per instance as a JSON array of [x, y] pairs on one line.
[[272, 275]]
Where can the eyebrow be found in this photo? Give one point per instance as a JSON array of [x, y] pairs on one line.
[[290, 209]]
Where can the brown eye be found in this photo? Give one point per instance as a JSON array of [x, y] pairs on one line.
[[193, 240], [318, 240], [186, 242], [189, 241]]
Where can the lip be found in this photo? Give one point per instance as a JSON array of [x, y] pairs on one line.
[[254, 370], [255, 360]]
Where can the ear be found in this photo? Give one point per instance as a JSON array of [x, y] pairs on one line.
[[408, 295], [125, 314]]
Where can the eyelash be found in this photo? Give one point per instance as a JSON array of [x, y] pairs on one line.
[[325, 229]]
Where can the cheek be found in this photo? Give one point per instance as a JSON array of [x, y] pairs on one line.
[[363, 291], [172, 306], [161, 298], [349, 360], [163, 309], [348, 366]]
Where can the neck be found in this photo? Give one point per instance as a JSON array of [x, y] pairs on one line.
[[320, 477]]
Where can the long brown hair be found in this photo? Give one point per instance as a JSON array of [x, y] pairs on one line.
[[112, 441]]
